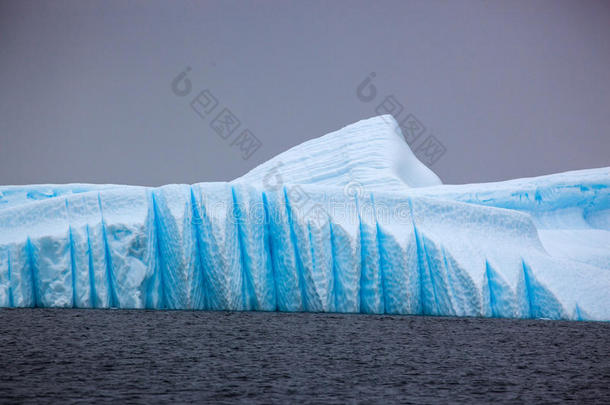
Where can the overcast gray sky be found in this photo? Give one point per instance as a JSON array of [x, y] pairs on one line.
[[510, 89]]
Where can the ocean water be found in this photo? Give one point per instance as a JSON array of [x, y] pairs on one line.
[[69, 355]]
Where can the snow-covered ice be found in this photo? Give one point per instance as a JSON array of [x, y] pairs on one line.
[[349, 222]]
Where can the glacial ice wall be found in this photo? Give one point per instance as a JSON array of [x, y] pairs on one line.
[[536, 247]]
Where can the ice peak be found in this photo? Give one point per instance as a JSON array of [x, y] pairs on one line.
[[371, 152]]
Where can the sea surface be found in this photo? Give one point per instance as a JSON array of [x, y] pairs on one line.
[[70, 355]]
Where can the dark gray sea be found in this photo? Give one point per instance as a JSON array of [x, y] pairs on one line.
[[65, 355]]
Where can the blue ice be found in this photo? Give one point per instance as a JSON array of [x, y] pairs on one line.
[[349, 222]]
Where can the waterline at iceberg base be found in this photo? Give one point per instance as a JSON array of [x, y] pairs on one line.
[[349, 222]]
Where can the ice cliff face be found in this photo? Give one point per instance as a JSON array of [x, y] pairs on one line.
[[350, 222]]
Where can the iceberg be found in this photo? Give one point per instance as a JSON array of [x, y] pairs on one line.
[[348, 222]]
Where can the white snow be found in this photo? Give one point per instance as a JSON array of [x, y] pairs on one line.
[[349, 222]]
